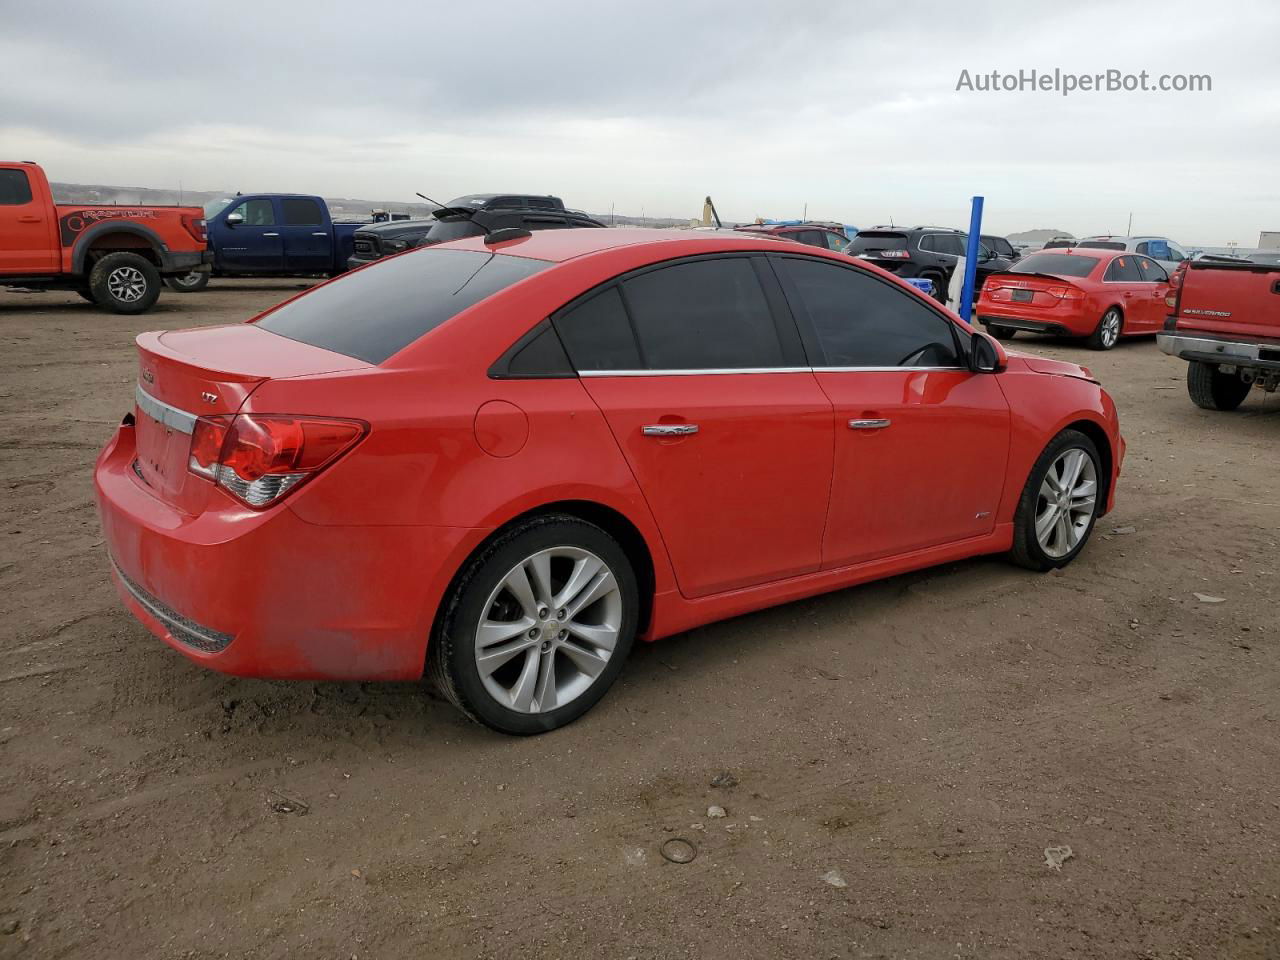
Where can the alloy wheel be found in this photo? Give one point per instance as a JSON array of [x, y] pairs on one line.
[[126, 284], [1066, 502], [1110, 328], [548, 629]]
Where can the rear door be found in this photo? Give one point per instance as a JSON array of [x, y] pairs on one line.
[[921, 443], [26, 230], [254, 245], [1124, 286], [306, 234], [702, 378], [1156, 283]]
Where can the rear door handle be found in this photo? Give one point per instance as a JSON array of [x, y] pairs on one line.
[[319, 233], [669, 429], [271, 234], [879, 424], [29, 219]]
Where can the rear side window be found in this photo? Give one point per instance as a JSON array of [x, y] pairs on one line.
[[862, 321], [813, 238], [703, 315], [15, 188], [870, 241], [1056, 265], [301, 212], [374, 313], [1123, 270], [597, 334]]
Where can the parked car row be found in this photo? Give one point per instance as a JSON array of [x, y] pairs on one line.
[[930, 253]]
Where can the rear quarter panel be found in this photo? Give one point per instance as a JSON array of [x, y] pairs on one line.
[[159, 227]]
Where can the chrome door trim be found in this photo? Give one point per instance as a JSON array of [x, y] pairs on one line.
[[161, 412], [669, 429], [878, 423]]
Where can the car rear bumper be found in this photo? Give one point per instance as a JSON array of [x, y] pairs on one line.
[[1063, 325], [1210, 348], [267, 594]]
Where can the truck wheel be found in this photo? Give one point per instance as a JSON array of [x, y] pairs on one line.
[[191, 282], [124, 283], [1107, 334], [1210, 389]]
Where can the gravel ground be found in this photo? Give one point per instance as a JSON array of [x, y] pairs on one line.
[[900, 755]]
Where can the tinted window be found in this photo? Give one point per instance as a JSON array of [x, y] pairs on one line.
[[869, 241], [15, 188], [706, 314], [928, 242], [372, 314], [301, 212], [1123, 270], [1150, 270], [256, 213], [951, 244], [813, 238], [1056, 265], [1101, 244], [834, 241], [862, 321], [1000, 245], [597, 334], [540, 355], [455, 228]]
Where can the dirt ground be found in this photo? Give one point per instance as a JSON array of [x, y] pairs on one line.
[[903, 752]]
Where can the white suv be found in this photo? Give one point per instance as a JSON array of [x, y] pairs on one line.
[[1160, 249]]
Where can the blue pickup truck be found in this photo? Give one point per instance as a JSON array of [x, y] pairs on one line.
[[271, 235]]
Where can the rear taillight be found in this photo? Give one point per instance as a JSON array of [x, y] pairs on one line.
[[259, 459], [893, 254], [195, 226], [1065, 292]]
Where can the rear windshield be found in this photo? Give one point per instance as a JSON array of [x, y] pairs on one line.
[[375, 312], [1101, 244], [1056, 265], [870, 242]]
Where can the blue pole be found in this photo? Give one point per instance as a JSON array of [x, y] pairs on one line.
[[971, 259]]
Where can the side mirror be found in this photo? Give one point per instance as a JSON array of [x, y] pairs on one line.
[[234, 219], [985, 355]]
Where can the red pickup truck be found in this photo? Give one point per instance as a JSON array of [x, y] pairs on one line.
[[114, 256], [1226, 324]]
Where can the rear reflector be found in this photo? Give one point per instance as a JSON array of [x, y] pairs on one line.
[[259, 458]]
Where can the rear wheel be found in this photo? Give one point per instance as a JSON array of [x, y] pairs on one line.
[[124, 283], [1211, 389], [538, 627], [939, 287], [1107, 333], [1001, 333], [1059, 504], [191, 282]]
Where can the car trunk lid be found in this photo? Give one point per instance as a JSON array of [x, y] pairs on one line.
[[186, 374], [1034, 290]]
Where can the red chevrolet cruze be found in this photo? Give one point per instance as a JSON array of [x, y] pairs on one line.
[[499, 461], [1100, 295]]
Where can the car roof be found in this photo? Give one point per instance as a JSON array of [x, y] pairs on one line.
[[557, 246]]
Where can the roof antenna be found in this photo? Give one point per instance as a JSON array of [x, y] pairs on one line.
[[719, 225]]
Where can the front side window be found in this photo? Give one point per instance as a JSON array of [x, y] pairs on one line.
[[15, 188], [256, 213], [703, 315], [1123, 270], [1151, 271], [862, 321], [301, 212]]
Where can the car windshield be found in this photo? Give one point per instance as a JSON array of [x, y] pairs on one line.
[[1056, 265], [215, 207], [396, 301], [870, 241]]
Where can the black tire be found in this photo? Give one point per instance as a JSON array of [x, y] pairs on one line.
[[192, 282], [124, 283], [1026, 550], [1001, 333], [84, 294], [1211, 389], [1105, 335], [451, 658], [939, 287]]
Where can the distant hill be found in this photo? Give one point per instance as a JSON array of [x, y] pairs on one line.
[[1032, 237]]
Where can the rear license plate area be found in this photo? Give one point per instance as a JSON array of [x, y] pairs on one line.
[[1022, 296]]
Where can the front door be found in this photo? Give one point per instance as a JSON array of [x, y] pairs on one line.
[[254, 244], [1124, 286], [703, 382], [1156, 284], [27, 238], [921, 443]]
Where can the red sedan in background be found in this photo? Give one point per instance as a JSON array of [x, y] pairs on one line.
[[814, 234], [1101, 295], [502, 459]]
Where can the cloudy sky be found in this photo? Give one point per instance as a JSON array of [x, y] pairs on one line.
[[850, 108]]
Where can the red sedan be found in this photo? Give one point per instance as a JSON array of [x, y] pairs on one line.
[[501, 460], [1101, 295]]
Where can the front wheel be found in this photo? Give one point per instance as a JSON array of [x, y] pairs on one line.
[[124, 283], [1107, 333], [192, 282], [1211, 389], [538, 627], [1059, 504]]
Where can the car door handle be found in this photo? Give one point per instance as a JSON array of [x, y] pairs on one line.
[[669, 429], [29, 219], [879, 424], [319, 233], [271, 234]]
